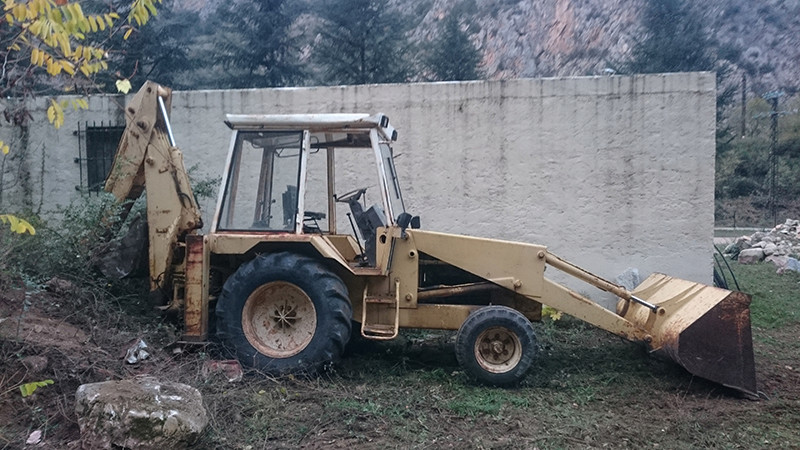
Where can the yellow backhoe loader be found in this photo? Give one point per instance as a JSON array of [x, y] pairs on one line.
[[289, 287]]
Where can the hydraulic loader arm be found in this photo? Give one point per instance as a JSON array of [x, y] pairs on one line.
[[148, 158]]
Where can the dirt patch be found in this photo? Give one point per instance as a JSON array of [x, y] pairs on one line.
[[588, 389]]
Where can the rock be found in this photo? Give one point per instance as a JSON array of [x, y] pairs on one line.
[[722, 241], [770, 249], [230, 369], [784, 263], [791, 264], [139, 413], [751, 256], [60, 286], [732, 250], [137, 351], [35, 438], [35, 363], [629, 279], [743, 242]]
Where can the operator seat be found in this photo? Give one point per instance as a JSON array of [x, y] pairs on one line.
[[367, 222]]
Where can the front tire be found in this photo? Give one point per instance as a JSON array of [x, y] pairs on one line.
[[496, 345], [284, 313]]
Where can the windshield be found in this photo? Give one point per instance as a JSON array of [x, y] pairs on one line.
[[261, 190], [395, 198]]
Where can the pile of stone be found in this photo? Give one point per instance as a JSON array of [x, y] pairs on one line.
[[780, 246]]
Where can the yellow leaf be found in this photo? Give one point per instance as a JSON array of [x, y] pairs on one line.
[[78, 10], [67, 66], [18, 225], [10, 19], [4, 147], [20, 12], [93, 24], [55, 113], [123, 86], [127, 34], [52, 68], [151, 7]]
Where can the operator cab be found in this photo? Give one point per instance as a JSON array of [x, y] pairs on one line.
[[282, 177]]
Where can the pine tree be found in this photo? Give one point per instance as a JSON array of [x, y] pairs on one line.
[[675, 40], [253, 44], [360, 42], [451, 56]]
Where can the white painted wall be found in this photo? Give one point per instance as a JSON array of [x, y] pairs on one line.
[[609, 172]]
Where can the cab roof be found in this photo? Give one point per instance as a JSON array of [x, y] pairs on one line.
[[312, 122]]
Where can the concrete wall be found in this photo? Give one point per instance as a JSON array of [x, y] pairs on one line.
[[609, 172]]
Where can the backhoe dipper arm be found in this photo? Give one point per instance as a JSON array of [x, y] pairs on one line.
[[147, 158]]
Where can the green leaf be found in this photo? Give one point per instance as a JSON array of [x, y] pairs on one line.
[[123, 86], [29, 388]]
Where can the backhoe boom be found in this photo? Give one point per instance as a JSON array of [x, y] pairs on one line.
[[146, 157]]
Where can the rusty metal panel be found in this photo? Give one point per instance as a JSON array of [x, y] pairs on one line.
[[195, 312]]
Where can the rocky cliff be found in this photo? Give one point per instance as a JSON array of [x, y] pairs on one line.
[[547, 38]]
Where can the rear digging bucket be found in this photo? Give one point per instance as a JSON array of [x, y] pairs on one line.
[[703, 328]]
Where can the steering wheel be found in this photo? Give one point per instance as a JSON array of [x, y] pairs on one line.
[[347, 196]]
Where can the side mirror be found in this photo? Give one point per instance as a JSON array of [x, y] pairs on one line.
[[403, 220], [415, 223]]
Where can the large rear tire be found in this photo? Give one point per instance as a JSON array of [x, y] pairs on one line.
[[496, 345], [284, 313]]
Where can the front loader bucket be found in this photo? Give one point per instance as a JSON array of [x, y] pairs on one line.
[[703, 328]]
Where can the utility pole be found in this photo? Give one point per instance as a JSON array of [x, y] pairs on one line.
[[773, 97], [744, 105]]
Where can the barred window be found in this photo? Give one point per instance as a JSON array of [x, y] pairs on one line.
[[96, 149]]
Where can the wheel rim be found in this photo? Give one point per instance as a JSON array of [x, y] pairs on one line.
[[498, 349], [279, 319]]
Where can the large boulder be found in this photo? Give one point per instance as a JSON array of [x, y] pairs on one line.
[[139, 413], [751, 255]]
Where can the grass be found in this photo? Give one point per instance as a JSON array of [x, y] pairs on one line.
[[588, 389], [775, 297]]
